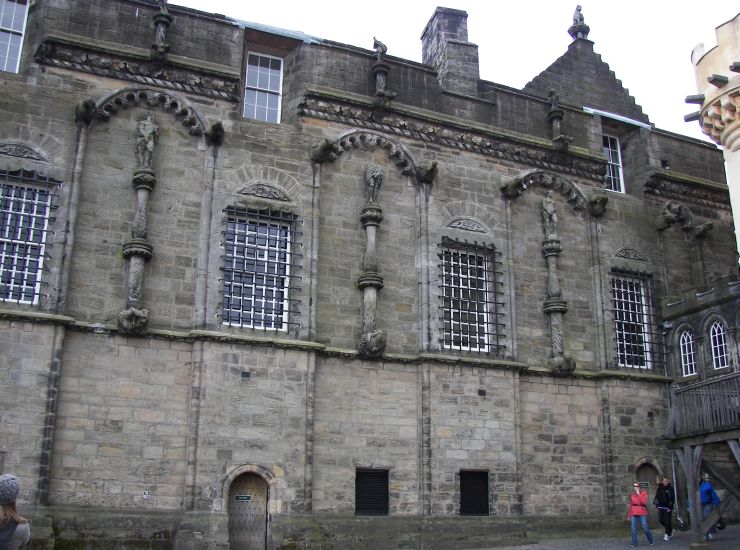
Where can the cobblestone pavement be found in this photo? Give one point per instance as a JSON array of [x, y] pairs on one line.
[[729, 539]]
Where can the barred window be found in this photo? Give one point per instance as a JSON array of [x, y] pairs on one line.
[[688, 353], [613, 180], [12, 28], [258, 268], [371, 492], [263, 88], [24, 223], [471, 297], [720, 349], [637, 337]]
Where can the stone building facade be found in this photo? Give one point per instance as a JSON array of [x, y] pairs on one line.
[[261, 289]]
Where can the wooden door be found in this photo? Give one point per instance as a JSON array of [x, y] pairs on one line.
[[248, 513]]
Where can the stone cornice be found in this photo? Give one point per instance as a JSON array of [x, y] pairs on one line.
[[133, 64], [671, 185], [322, 349], [429, 127]]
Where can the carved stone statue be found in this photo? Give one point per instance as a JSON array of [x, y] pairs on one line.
[[549, 216], [147, 132], [163, 6], [374, 179], [380, 49], [578, 16]]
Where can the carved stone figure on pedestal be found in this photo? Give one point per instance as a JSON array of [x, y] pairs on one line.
[[162, 21], [549, 216], [579, 29], [147, 132], [374, 179], [380, 49]]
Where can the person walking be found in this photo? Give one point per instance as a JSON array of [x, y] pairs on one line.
[[709, 501], [637, 513], [14, 530], [664, 501]]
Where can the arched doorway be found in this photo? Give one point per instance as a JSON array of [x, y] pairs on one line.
[[648, 476], [248, 496]]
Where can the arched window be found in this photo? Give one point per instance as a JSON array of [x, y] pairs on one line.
[[720, 349], [688, 353]]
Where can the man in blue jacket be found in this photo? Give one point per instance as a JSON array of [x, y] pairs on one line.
[[709, 501]]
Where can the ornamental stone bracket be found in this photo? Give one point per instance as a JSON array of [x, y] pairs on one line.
[[720, 120], [372, 340], [135, 317], [554, 306], [675, 213]]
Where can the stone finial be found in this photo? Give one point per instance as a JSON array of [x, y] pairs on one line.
[[578, 29], [380, 49]]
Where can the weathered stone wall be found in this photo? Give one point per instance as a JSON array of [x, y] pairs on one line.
[[122, 422]]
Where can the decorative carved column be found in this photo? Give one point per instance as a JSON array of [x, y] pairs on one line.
[[372, 340], [554, 306], [162, 21], [135, 317]]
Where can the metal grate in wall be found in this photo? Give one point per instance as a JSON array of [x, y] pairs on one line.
[[474, 493], [471, 297], [260, 263], [371, 492], [26, 202], [638, 337]]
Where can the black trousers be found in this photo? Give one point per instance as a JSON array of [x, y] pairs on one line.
[[664, 516]]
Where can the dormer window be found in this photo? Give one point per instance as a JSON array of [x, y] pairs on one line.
[[263, 89], [12, 27], [613, 180]]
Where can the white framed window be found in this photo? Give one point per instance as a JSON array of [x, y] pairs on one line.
[[719, 347], [687, 345], [257, 268], [469, 293], [635, 335], [12, 27], [24, 222], [613, 180], [264, 87]]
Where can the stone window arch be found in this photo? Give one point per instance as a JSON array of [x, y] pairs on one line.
[[687, 352], [719, 346]]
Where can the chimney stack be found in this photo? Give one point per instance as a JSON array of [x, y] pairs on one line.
[[445, 47]]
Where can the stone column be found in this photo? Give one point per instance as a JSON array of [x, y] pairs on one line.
[[372, 340], [135, 317], [554, 306]]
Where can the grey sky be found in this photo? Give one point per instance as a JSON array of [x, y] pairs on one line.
[[647, 43]]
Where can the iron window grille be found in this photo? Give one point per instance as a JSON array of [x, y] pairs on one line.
[[12, 28], [613, 180], [687, 344], [263, 89], [26, 202], [259, 256], [637, 335], [720, 349], [371, 492], [474, 493], [471, 297]]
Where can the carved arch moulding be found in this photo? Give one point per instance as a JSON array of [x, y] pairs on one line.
[[264, 182], [329, 151], [538, 178], [108, 106], [16, 156]]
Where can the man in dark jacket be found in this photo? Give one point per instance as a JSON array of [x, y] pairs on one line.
[[664, 501]]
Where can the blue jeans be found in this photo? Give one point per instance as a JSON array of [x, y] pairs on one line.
[[707, 509], [643, 523]]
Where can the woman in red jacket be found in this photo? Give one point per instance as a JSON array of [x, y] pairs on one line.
[[638, 512]]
